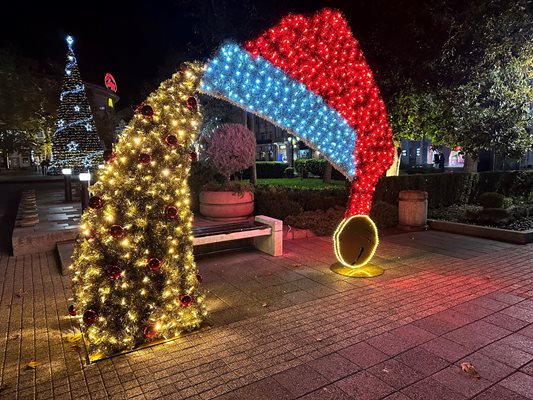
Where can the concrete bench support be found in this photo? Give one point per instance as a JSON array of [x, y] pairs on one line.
[[273, 243]]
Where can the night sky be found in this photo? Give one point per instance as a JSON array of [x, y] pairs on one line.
[[139, 42]]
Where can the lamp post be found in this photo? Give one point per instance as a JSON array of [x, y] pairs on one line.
[[67, 173], [85, 178]]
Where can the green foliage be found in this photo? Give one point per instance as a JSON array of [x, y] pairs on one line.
[[282, 200], [321, 223], [274, 203], [302, 183], [315, 166], [288, 173], [268, 169], [491, 200], [28, 102], [384, 215], [485, 78], [494, 216], [455, 188], [415, 113]]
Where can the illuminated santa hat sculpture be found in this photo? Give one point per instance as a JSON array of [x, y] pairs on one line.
[[308, 75]]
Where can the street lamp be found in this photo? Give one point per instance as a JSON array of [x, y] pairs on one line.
[[67, 173], [85, 178]]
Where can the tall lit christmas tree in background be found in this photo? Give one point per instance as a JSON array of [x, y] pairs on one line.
[[134, 277], [75, 143]]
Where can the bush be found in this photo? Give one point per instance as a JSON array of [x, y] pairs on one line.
[[384, 215], [275, 204], [289, 172], [282, 201], [494, 216], [456, 188], [321, 222], [230, 149], [200, 175], [491, 200]]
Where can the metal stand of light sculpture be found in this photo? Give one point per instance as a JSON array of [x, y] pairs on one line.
[[308, 75]]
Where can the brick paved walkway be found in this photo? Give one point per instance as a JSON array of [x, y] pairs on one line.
[[285, 328]]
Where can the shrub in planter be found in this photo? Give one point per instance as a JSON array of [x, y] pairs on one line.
[[491, 200], [268, 169], [230, 149], [494, 216], [289, 172], [384, 215], [320, 222], [274, 204]]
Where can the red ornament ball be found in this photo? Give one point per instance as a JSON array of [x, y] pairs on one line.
[[150, 331], [192, 103], [171, 212], [145, 158], [109, 156], [185, 300], [96, 202], [154, 264], [114, 272], [147, 111], [193, 156], [71, 310], [116, 231], [171, 140], [90, 317], [200, 278]]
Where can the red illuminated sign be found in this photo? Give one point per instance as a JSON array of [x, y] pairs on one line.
[[110, 82]]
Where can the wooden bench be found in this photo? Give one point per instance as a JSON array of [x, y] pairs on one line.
[[267, 234]]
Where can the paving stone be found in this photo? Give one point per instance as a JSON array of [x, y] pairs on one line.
[[435, 325], [506, 321], [469, 336], [446, 349], [363, 355], [527, 331], [395, 373], [430, 389], [422, 361], [300, 380], [457, 380], [364, 386], [334, 367], [507, 354], [519, 383], [330, 392], [525, 314], [528, 369], [521, 342], [499, 392]]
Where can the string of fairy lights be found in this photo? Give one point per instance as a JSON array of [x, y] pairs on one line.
[[75, 143], [134, 277]]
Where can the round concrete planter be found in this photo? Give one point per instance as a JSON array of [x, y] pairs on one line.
[[226, 206]]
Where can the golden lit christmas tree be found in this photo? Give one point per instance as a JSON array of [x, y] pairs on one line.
[[134, 276]]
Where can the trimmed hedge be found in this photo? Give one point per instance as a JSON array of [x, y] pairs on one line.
[[456, 188], [267, 170], [279, 201], [315, 166]]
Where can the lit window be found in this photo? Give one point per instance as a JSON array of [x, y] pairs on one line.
[[110, 102]]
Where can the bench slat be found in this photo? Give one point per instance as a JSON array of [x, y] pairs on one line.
[[222, 237], [227, 228]]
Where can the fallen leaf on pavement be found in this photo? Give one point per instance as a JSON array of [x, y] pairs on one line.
[[32, 364], [21, 293], [73, 335], [296, 265], [13, 337], [264, 304], [470, 370]]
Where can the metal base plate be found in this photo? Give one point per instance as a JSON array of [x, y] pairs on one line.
[[366, 271]]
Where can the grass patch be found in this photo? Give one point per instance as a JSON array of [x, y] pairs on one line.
[[299, 183]]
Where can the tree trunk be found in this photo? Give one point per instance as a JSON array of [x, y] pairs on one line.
[[470, 164], [394, 169], [327, 173], [249, 123]]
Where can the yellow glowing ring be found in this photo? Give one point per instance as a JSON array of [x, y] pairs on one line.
[[362, 235]]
